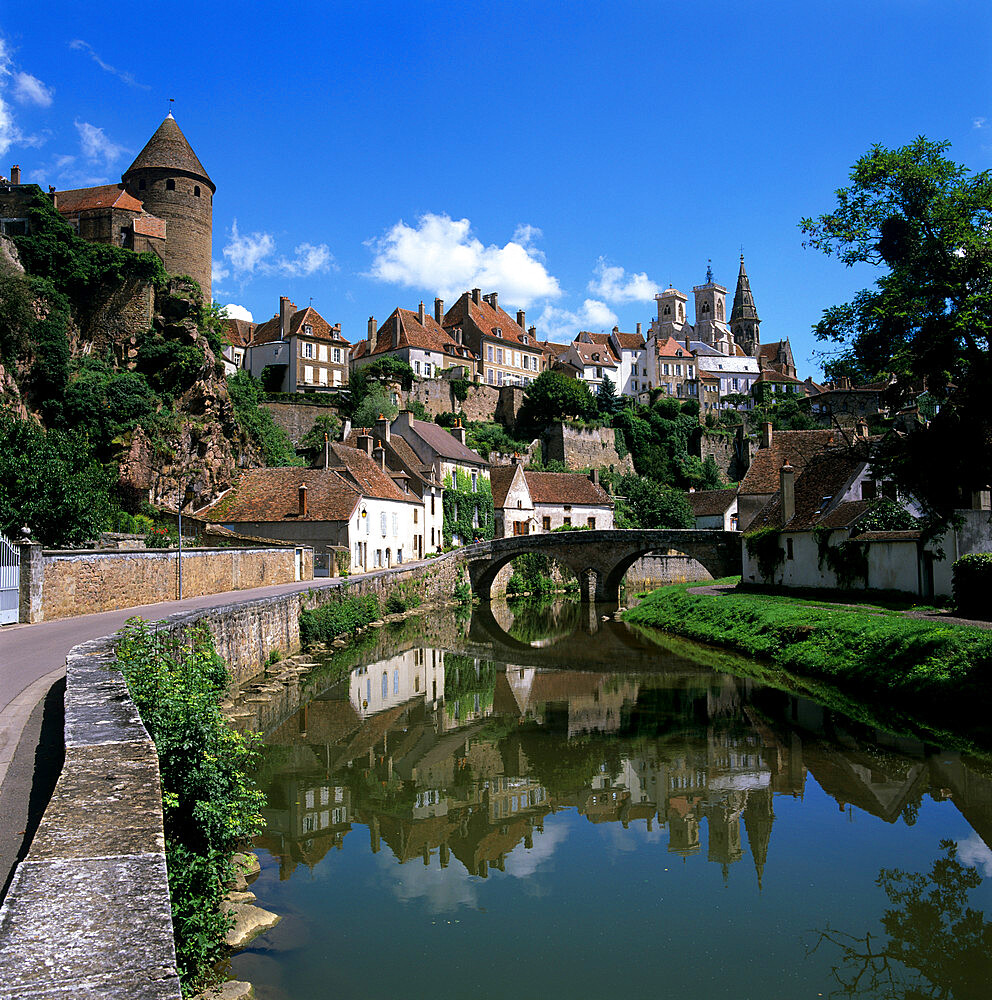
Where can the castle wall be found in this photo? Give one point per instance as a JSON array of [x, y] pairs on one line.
[[584, 448], [731, 452]]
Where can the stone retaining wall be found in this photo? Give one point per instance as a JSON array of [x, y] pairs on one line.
[[62, 584]]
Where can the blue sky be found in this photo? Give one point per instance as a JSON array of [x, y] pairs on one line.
[[575, 157]]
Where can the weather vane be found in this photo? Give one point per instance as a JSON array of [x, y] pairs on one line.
[[709, 272]]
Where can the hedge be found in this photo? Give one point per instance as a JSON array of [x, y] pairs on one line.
[[972, 585]]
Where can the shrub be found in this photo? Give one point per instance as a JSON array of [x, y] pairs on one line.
[[210, 805], [764, 546], [972, 584], [246, 397], [343, 617]]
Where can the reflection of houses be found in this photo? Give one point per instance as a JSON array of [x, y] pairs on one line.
[[414, 673]]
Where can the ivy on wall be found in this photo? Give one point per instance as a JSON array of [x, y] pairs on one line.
[[848, 561], [468, 513], [765, 548]]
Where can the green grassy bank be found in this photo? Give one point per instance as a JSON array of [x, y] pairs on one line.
[[925, 668]]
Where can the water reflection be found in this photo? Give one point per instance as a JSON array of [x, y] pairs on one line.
[[440, 755]]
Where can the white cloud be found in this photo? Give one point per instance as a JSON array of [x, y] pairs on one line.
[[80, 46], [615, 285], [29, 89], [248, 254], [563, 324], [979, 122], [96, 146], [10, 132], [975, 852], [441, 255], [523, 862], [527, 235], [233, 311]]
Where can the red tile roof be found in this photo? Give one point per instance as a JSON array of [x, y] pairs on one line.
[[501, 478], [358, 468], [771, 375], [268, 332], [889, 536], [593, 354], [565, 487], [446, 445], [672, 348], [797, 446], [148, 225], [239, 332], [709, 503], [273, 495], [487, 320], [427, 336], [105, 196]]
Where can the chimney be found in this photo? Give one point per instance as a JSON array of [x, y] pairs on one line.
[[477, 295], [458, 431], [286, 310], [15, 174], [458, 335], [303, 500], [53, 196], [396, 331], [379, 457], [439, 310], [638, 329], [521, 319], [594, 477], [787, 484], [518, 459], [371, 333], [687, 347], [845, 382], [421, 314], [766, 434], [616, 329], [382, 429], [533, 332], [365, 444], [494, 299]]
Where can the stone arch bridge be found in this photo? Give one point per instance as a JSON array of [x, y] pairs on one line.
[[600, 559]]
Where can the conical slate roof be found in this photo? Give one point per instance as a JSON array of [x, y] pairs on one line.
[[168, 149], [743, 299]]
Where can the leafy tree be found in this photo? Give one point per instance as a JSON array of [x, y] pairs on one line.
[[50, 481], [17, 315], [246, 396], [552, 397], [933, 944], [927, 223], [644, 503], [791, 413], [606, 399], [327, 424], [887, 515], [376, 402]]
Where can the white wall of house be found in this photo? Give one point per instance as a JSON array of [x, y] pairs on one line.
[[381, 533], [415, 673], [577, 515], [516, 508]]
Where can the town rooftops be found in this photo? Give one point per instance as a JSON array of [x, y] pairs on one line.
[[168, 149], [148, 225], [672, 348], [500, 479], [594, 354], [711, 503], [274, 495], [358, 468], [104, 196], [239, 331], [796, 447], [566, 488], [444, 444], [771, 375], [320, 329], [400, 451], [490, 320], [404, 328]]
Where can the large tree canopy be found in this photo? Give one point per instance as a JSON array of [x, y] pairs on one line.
[[927, 222]]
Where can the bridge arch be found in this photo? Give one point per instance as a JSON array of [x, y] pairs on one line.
[[600, 559]]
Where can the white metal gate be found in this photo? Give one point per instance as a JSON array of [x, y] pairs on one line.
[[10, 581]]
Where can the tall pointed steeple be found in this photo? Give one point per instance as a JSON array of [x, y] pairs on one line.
[[744, 320]]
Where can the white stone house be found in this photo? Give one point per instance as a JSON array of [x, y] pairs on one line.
[[630, 353], [716, 509], [533, 503]]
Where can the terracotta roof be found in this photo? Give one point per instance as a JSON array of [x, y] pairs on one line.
[[428, 336], [238, 332], [630, 341], [500, 479], [796, 446], [565, 487], [268, 332], [772, 349], [445, 444], [168, 149], [487, 319], [708, 503], [104, 196], [671, 348], [400, 452], [823, 480], [552, 347], [770, 375], [148, 225], [356, 466], [273, 495], [593, 354], [889, 536]]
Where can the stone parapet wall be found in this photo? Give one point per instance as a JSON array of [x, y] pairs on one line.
[[297, 419], [584, 448], [58, 584]]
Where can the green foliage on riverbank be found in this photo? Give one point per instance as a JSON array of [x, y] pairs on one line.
[[911, 662], [343, 617], [210, 806]]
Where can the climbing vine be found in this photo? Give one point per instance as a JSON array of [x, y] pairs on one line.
[[468, 513], [765, 548], [848, 561]]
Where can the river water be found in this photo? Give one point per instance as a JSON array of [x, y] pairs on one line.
[[543, 804]]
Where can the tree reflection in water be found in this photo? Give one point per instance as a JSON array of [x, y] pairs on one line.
[[935, 945]]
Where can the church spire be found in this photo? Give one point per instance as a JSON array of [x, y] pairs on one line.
[[744, 319]]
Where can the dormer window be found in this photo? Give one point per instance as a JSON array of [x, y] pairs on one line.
[[307, 330], [497, 331], [524, 340], [678, 354]]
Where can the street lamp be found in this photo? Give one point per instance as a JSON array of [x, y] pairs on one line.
[[185, 491]]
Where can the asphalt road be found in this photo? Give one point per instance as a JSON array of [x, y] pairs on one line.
[[32, 672]]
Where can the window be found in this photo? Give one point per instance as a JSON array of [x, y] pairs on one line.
[[414, 515], [416, 367], [337, 355], [527, 361], [385, 685], [499, 377], [591, 522], [788, 548], [499, 355], [489, 375], [307, 350], [869, 490], [475, 482], [396, 525], [498, 332], [322, 373], [396, 682], [678, 369], [321, 352], [382, 523], [307, 373], [427, 369], [196, 190], [454, 479], [489, 352], [170, 185], [567, 521]]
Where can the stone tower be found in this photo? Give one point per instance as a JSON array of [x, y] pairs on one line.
[[711, 319], [744, 320], [671, 321], [170, 181]]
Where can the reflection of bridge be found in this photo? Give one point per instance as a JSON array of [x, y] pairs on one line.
[[600, 559]]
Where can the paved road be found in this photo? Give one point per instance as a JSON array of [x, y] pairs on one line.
[[32, 668]]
